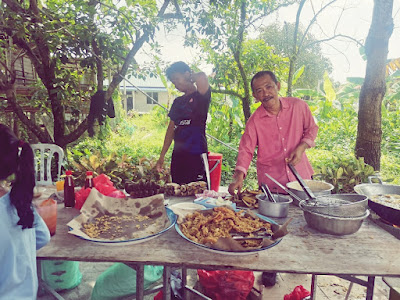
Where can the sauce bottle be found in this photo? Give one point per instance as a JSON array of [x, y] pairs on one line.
[[89, 180], [69, 191]]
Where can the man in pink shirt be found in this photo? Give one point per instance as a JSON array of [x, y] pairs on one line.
[[282, 128]]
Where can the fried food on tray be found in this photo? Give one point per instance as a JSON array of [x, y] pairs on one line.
[[207, 228], [247, 198]]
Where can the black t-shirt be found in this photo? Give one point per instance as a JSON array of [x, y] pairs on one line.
[[189, 113]]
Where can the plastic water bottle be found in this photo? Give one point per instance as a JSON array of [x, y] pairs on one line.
[[89, 180], [69, 191]]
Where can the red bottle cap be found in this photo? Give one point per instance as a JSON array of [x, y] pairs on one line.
[[88, 173], [68, 173]]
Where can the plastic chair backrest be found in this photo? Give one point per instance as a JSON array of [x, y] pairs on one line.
[[44, 154]]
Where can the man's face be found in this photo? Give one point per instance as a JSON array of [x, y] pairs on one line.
[[181, 81], [266, 90]]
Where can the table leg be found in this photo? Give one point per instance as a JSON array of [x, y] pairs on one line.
[[313, 286], [167, 283], [184, 283], [139, 281], [370, 287]]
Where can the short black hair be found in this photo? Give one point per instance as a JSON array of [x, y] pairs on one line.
[[262, 74], [177, 67]]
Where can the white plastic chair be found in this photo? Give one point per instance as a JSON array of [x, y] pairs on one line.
[[44, 154]]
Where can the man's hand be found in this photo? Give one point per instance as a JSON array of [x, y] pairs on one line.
[[237, 183], [159, 164], [295, 157]]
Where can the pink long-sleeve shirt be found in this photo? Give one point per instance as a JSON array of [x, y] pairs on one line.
[[276, 136]]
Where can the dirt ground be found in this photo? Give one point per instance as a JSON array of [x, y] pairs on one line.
[[329, 287]]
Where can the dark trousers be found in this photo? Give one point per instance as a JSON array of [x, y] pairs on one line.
[[187, 167]]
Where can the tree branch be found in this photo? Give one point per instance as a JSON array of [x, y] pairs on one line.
[[226, 92]]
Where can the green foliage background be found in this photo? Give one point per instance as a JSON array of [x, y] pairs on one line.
[[140, 137]]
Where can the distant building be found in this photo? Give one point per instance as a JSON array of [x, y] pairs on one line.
[[133, 99]]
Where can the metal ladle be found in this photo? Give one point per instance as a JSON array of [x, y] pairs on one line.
[[267, 192]]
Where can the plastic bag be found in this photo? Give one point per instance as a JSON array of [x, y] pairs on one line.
[[232, 285], [103, 180], [120, 280], [176, 287], [61, 274], [298, 293], [117, 194], [104, 185], [81, 196]]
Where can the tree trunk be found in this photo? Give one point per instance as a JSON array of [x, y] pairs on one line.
[[369, 132]]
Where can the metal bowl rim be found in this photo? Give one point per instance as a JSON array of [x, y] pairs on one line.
[[289, 200], [367, 213], [331, 186]]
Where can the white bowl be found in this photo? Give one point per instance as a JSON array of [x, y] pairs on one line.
[[185, 208], [317, 187]]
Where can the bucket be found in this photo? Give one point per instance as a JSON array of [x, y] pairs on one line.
[[215, 163]]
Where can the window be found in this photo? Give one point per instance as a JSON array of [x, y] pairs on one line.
[[154, 95], [129, 103]]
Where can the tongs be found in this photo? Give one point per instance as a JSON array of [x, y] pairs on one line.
[[305, 187], [267, 192], [260, 233], [283, 188]]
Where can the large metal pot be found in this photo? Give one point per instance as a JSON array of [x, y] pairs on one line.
[[334, 225], [390, 214], [319, 188]]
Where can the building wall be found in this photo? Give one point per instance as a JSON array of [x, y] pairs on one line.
[[137, 101]]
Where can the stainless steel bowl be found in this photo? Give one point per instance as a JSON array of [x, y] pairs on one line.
[[334, 225], [319, 188], [338, 205], [279, 209]]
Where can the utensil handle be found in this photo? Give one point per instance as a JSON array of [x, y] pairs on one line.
[[283, 188], [267, 192], [301, 181], [377, 177]]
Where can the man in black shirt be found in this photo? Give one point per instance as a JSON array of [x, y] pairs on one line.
[[187, 126]]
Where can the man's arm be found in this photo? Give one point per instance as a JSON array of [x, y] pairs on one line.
[[169, 136], [248, 143], [295, 157], [201, 81], [310, 130]]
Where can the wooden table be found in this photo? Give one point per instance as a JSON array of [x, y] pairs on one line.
[[370, 252]]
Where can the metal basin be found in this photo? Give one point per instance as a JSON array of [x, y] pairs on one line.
[[279, 209], [319, 188], [338, 205], [390, 214], [334, 225]]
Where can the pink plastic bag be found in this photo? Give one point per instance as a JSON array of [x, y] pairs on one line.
[[298, 293], [221, 285], [80, 197], [117, 194], [103, 180]]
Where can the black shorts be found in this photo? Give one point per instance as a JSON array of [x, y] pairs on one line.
[[186, 167]]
